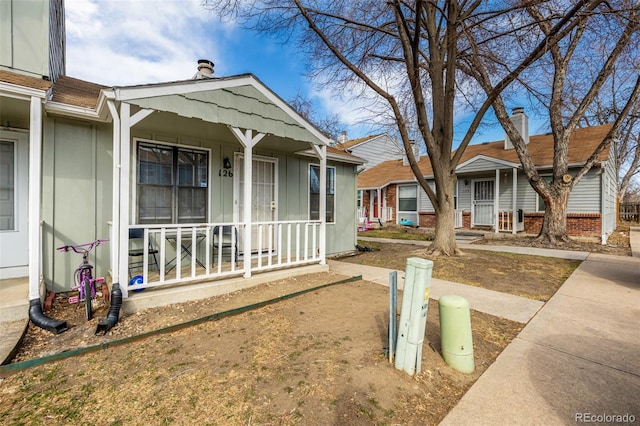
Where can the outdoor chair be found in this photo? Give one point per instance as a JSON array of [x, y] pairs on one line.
[[225, 237], [136, 250]]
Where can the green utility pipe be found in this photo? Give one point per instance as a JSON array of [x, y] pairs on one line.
[[455, 333], [8, 369]]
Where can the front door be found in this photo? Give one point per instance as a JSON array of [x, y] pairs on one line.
[[14, 206], [483, 202], [263, 196]]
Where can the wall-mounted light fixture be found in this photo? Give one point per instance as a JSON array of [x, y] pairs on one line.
[[466, 182], [226, 163]]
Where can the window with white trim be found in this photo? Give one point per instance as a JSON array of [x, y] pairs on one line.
[[172, 184], [314, 193], [408, 204]]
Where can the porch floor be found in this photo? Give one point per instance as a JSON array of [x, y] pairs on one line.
[[14, 303]]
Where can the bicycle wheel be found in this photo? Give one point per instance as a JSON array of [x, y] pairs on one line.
[[87, 298]]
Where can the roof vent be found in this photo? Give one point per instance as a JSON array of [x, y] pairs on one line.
[[205, 69]]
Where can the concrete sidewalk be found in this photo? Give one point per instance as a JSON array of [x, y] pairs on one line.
[[577, 359]]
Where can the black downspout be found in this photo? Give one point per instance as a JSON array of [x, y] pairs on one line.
[[114, 310], [41, 320]]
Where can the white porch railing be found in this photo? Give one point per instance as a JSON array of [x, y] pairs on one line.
[[195, 252], [505, 221], [457, 218], [387, 214]]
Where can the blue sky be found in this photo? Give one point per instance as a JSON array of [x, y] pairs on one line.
[[127, 42]]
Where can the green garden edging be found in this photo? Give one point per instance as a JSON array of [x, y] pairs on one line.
[[5, 370]]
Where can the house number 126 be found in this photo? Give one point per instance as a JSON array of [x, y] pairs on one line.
[[225, 172]]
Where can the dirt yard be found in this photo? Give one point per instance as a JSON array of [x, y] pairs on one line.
[[317, 358]]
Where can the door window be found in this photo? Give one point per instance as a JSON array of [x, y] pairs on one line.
[[7, 186]]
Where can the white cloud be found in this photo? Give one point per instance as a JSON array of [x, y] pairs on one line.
[[134, 42]]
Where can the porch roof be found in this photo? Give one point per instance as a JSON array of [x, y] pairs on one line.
[[581, 144], [239, 101]]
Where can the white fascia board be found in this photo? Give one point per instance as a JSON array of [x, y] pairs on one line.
[[75, 111], [487, 158], [21, 92], [331, 156], [124, 94]]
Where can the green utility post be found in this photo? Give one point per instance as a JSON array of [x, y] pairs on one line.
[[413, 316], [455, 333]]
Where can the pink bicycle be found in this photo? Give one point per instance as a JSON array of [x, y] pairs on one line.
[[85, 283]]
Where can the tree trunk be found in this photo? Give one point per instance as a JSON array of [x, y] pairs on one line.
[[444, 242], [554, 225]]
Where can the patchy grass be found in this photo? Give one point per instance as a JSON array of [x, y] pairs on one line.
[[398, 233]]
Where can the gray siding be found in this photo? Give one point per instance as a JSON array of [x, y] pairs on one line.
[[77, 192], [377, 150], [76, 196], [24, 36], [479, 165], [585, 196]]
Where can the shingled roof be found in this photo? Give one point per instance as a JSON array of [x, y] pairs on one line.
[[24, 80], [581, 145], [80, 93]]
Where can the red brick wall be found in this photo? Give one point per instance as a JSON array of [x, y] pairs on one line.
[[391, 200], [578, 224], [427, 219], [466, 219]]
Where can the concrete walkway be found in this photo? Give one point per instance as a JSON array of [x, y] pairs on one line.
[[577, 359], [503, 305]]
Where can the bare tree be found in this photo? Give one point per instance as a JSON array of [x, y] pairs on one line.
[[330, 126], [409, 55], [605, 108], [561, 78]]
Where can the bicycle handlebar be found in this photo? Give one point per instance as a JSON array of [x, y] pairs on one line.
[[83, 248]]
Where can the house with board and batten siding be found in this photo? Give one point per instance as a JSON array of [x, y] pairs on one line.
[[492, 191], [182, 162]]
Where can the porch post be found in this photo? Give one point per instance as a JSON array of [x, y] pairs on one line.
[[321, 152], [248, 141], [496, 202], [323, 205], [126, 122], [115, 198], [123, 201], [35, 163], [379, 191], [515, 199]]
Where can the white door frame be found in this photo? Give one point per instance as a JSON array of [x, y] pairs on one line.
[[473, 202], [14, 243], [239, 159]]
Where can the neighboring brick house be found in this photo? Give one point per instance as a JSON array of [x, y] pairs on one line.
[[374, 149], [493, 168]]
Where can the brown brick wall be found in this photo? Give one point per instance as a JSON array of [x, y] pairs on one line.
[[578, 224]]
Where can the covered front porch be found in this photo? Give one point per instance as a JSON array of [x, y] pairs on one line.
[[207, 196]]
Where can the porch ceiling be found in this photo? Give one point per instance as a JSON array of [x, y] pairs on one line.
[[14, 112], [165, 125]]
